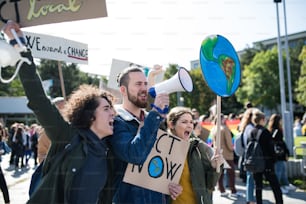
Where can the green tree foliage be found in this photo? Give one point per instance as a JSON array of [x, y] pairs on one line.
[[260, 80], [296, 62], [231, 105], [48, 69], [73, 77], [247, 56], [301, 85], [201, 97], [13, 88]]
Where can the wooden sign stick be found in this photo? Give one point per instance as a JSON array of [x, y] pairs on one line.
[[218, 139]]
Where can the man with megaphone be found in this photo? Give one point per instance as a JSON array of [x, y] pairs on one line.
[[135, 132]]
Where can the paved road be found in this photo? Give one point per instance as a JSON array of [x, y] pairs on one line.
[[18, 183], [294, 197]]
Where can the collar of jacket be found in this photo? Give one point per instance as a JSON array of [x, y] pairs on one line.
[[126, 115]]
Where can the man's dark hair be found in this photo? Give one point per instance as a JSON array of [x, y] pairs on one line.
[[123, 77]]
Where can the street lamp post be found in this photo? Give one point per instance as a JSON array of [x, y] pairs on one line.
[[289, 130], [285, 115], [182, 100]]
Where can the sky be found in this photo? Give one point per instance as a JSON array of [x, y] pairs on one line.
[[171, 31]]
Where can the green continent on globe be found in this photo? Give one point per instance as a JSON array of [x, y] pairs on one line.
[[208, 46]]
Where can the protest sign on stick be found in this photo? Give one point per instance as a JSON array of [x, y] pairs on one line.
[[221, 71], [163, 165]]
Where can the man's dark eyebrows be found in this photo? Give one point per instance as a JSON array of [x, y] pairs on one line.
[[141, 82], [107, 106]]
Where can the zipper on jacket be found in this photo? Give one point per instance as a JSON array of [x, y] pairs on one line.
[[199, 153]]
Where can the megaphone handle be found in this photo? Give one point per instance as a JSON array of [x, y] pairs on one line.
[[16, 37], [161, 111], [18, 40]]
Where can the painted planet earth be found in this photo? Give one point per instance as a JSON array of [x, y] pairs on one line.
[[156, 167], [220, 65]]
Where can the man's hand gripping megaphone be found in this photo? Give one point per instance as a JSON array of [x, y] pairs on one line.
[[162, 99]]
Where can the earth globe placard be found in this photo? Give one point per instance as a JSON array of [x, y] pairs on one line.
[[220, 65]]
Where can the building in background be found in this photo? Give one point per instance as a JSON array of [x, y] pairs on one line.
[[15, 109], [293, 39]]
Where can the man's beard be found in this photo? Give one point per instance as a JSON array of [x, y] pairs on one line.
[[134, 100]]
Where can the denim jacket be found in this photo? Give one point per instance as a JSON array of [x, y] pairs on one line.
[[132, 146]]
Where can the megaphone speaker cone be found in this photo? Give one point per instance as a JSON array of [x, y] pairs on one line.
[[185, 79], [181, 81]]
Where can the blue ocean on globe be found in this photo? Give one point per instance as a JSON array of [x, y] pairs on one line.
[[220, 65]]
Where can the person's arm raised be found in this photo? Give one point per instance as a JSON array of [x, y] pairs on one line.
[[46, 113]]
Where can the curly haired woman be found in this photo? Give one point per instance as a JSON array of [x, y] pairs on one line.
[[81, 176]]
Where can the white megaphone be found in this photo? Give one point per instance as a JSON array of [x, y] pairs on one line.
[[10, 56], [181, 81]]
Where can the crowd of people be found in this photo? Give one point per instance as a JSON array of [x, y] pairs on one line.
[[110, 136], [299, 126], [23, 140]]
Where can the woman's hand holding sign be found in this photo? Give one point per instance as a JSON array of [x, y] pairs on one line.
[[175, 190], [217, 159]]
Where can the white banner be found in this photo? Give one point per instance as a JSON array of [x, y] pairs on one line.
[[56, 48]]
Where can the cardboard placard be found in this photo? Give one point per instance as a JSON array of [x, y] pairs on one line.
[[56, 48], [119, 65], [163, 165], [39, 12]]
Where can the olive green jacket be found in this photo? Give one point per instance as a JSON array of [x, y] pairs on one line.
[[203, 176]]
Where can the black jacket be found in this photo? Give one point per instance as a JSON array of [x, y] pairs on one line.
[[278, 139], [266, 144], [55, 186]]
